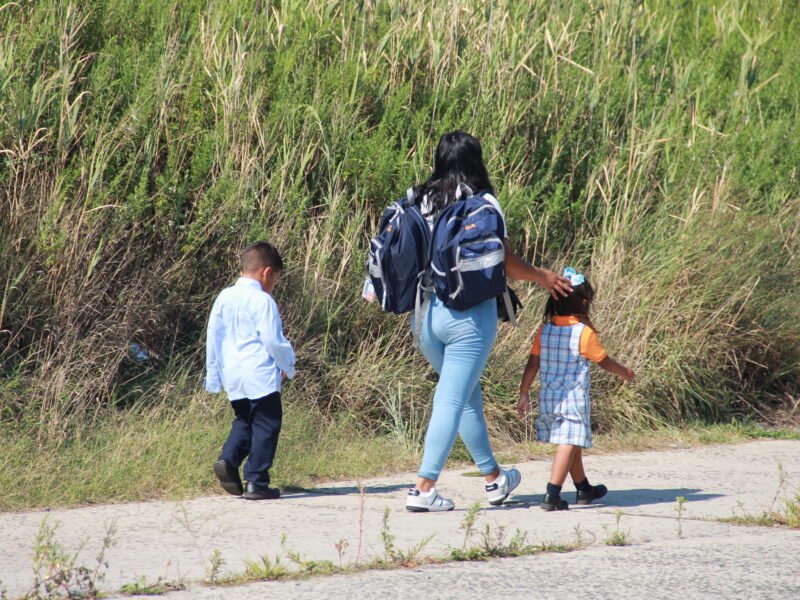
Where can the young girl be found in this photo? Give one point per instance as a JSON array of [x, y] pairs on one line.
[[563, 347]]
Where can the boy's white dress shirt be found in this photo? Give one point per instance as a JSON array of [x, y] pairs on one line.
[[245, 347]]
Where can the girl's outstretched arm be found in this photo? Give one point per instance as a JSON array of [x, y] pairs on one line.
[[516, 268], [531, 369], [612, 366]]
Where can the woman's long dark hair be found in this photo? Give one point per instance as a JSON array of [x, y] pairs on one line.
[[576, 303], [459, 159]]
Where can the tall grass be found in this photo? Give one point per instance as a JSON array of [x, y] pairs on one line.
[[142, 144]]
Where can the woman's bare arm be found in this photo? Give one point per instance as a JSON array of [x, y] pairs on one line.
[[516, 268]]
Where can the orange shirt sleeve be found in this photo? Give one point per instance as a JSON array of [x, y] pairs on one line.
[[537, 342], [590, 346]]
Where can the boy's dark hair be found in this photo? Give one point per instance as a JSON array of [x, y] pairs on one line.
[[572, 304], [259, 255]]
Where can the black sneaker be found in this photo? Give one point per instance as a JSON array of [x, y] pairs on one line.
[[597, 491], [228, 477], [260, 492], [554, 503]]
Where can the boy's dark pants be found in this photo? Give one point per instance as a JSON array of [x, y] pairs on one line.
[[254, 432]]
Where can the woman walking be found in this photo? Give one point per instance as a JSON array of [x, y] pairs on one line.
[[457, 343]]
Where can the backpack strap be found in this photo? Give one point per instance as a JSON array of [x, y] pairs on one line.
[[512, 318], [418, 302], [422, 299], [463, 191], [421, 304]]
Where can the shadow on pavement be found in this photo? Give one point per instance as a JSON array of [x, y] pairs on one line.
[[623, 498], [639, 497], [300, 492]]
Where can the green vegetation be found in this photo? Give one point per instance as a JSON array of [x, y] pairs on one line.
[[56, 573], [687, 435], [492, 544], [162, 452], [142, 144], [392, 554], [678, 508], [617, 536], [787, 516], [144, 588]]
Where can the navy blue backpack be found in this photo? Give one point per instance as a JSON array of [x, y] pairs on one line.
[[398, 255], [467, 253]]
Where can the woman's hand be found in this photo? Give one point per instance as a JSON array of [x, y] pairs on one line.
[[516, 268], [554, 283], [523, 405]]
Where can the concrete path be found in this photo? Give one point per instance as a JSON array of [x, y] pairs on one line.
[[176, 540]]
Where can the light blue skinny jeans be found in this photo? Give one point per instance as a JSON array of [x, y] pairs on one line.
[[457, 345]]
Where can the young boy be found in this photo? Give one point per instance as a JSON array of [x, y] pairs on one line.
[[247, 355]]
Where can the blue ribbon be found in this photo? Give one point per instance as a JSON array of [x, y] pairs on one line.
[[574, 277]]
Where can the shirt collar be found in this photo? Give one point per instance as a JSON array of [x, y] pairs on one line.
[[248, 282], [566, 320]]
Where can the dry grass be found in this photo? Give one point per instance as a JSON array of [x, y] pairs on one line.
[[142, 144]]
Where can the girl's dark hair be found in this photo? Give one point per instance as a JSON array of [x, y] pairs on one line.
[[572, 304], [459, 159]]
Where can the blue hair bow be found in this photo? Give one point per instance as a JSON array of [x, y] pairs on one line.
[[574, 277]]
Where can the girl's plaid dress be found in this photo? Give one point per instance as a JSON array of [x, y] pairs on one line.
[[565, 347]]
